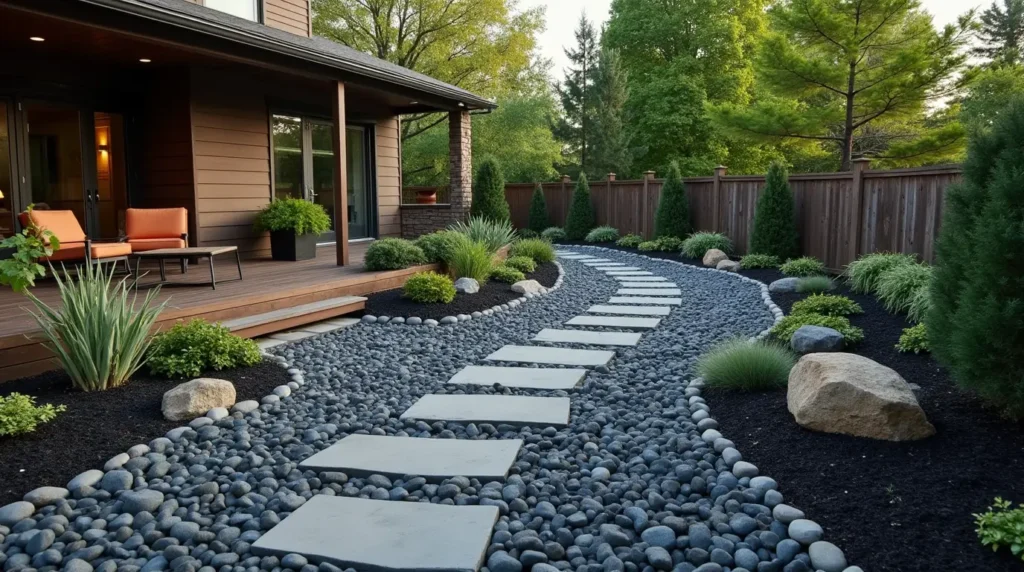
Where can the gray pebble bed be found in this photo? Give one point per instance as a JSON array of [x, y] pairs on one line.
[[641, 480]]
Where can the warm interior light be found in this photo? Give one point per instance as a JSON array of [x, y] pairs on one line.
[[414, 103], [145, 60], [37, 39]]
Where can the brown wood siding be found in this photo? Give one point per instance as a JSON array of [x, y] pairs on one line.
[[389, 177], [288, 15]]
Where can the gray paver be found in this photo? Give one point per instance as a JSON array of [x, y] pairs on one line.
[[522, 377], [630, 310], [585, 337], [593, 261], [632, 278], [649, 292], [291, 336], [615, 271], [267, 343], [507, 409], [615, 322], [383, 536], [629, 273], [576, 256], [364, 455], [651, 284], [552, 356], [645, 300], [604, 264]]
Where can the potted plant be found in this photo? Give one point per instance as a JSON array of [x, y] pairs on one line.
[[294, 226], [426, 196]]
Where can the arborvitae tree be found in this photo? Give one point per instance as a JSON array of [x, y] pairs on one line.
[[489, 192], [987, 333], [581, 212], [538, 211], [673, 215], [774, 227], [1002, 33]]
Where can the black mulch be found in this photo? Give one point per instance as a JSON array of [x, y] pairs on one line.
[[391, 302], [99, 425]]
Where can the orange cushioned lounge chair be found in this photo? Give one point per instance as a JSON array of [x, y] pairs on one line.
[[74, 245], [153, 229]]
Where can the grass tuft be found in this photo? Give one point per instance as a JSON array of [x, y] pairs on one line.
[[739, 364]]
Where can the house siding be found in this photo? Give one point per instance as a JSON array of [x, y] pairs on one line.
[[389, 177], [289, 15]]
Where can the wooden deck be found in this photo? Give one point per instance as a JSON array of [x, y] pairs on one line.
[[267, 285]]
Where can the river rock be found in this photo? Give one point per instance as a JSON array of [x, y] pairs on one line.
[[814, 339], [527, 287], [467, 285]]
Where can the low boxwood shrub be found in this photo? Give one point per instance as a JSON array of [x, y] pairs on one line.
[[603, 234], [539, 250], [441, 245], [503, 273], [472, 260], [826, 305], [20, 414], [524, 264], [187, 350], [920, 304], [553, 234], [429, 288], [864, 273], [493, 234], [786, 327], [297, 215], [803, 266], [630, 241], [527, 233], [752, 261], [1002, 527], [648, 246], [913, 339], [744, 365], [699, 243], [393, 254], [669, 243], [814, 284], [898, 286]]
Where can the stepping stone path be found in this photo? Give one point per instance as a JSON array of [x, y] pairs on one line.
[[382, 535]]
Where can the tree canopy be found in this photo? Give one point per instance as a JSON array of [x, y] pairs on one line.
[[1002, 33], [577, 93]]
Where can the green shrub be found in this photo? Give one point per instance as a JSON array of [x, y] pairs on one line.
[[494, 234], [297, 215], [504, 273], [673, 215], [814, 284], [429, 288], [539, 219], [826, 305], [603, 234], [527, 233], [648, 246], [669, 243], [897, 287], [744, 365], [774, 229], [581, 212], [700, 242], [786, 327], [1002, 527], [553, 234], [864, 273], [523, 264], [803, 266], [100, 334], [20, 270], [393, 254], [20, 414], [489, 192], [441, 245], [472, 260], [539, 250], [752, 261], [913, 339], [187, 350], [630, 241], [920, 304]]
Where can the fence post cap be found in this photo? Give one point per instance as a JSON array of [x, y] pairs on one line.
[[649, 174], [565, 178], [611, 176]]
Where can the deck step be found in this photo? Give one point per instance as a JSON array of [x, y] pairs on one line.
[[294, 316], [434, 459], [495, 409], [552, 356], [630, 310], [521, 377], [383, 536], [551, 335]]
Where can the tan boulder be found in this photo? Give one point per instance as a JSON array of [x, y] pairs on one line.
[[713, 257], [194, 398], [853, 395]]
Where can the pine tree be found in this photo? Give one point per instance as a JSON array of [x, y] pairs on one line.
[[774, 226], [577, 95], [673, 215], [489, 192], [538, 211], [581, 212], [610, 150], [1002, 33]]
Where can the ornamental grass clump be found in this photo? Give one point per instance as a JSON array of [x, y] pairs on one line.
[[189, 349], [826, 305], [864, 273], [754, 261], [920, 304], [553, 234], [504, 273], [897, 288], [788, 326], [472, 260], [523, 264], [494, 234], [814, 284], [539, 250], [19, 414], [630, 241], [699, 243], [740, 364], [803, 266], [603, 234], [429, 288], [440, 246], [101, 332], [393, 254]]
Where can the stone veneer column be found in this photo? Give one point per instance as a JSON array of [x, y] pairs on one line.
[[460, 157]]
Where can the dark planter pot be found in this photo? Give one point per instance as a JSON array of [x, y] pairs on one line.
[[285, 245]]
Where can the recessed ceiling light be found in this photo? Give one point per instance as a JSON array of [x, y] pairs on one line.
[[414, 103], [38, 39], [145, 60]]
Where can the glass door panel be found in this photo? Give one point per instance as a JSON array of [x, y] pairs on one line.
[[111, 196], [288, 160], [321, 189], [56, 168], [7, 191], [359, 210]]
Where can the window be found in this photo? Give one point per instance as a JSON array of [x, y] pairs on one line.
[[248, 9]]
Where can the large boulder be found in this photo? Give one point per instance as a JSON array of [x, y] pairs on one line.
[[527, 287], [194, 398], [713, 257], [814, 339], [466, 285], [853, 395]]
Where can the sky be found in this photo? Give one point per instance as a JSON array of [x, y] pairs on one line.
[[562, 16]]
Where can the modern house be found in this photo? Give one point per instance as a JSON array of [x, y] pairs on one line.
[[218, 106]]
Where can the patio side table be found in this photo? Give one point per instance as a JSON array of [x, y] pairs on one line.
[[164, 254]]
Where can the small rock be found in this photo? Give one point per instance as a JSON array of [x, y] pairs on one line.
[[86, 479], [784, 285], [117, 480], [743, 469], [46, 495], [467, 285], [728, 266], [527, 287], [16, 511], [786, 514], [827, 557], [713, 257], [145, 500], [813, 339], [245, 406], [500, 561], [196, 397], [805, 531], [662, 536]]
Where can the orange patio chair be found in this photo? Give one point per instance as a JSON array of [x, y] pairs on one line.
[[74, 244], [152, 229]]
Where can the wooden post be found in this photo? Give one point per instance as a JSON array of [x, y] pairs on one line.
[[860, 165], [716, 187], [609, 202], [645, 227], [565, 199], [340, 174]]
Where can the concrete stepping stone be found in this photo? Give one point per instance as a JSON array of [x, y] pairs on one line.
[[615, 271], [650, 292], [383, 535], [522, 377], [576, 256], [552, 356], [604, 264], [628, 273], [593, 261], [585, 337], [630, 310], [267, 343], [648, 284], [434, 459], [615, 322], [645, 300], [633, 278], [495, 409], [560, 252], [292, 336]]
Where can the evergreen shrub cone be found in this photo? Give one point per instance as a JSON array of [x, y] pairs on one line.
[[538, 211], [774, 226], [672, 218], [489, 192], [581, 212]]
